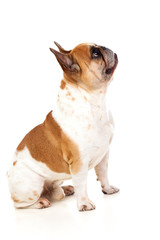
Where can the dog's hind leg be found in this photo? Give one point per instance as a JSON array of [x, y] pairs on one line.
[[54, 190], [26, 187]]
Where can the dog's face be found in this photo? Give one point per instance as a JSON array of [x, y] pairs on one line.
[[88, 65]]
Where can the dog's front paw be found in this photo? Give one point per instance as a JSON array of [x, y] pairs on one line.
[[110, 190], [86, 206]]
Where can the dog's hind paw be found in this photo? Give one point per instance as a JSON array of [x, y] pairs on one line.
[[42, 203], [68, 190]]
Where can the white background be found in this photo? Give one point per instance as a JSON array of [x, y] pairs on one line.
[[29, 81]]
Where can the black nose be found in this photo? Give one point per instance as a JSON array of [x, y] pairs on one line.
[[103, 48]]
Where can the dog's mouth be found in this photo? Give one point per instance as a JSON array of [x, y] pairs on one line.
[[110, 70]]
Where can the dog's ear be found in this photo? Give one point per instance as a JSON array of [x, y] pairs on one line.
[[61, 49], [66, 61]]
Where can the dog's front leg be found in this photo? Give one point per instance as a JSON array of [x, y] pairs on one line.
[[80, 185], [102, 173]]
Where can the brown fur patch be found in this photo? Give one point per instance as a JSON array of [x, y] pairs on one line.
[[35, 193], [47, 143], [15, 199], [83, 198], [14, 163], [63, 84], [68, 93]]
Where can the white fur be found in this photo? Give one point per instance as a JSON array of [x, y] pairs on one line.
[[85, 121], [28, 176], [102, 174], [83, 117]]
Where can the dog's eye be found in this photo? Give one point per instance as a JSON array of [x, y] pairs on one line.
[[95, 53]]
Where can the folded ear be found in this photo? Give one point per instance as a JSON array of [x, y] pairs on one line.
[[62, 50], [66, 61]]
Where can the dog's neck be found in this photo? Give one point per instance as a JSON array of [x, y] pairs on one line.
[[75, 93], [77, 108]]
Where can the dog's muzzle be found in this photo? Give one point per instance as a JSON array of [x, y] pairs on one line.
[[110, 70]]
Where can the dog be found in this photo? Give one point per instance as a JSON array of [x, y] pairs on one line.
[[74, 137]]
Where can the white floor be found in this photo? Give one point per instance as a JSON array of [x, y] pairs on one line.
[[130, 214]]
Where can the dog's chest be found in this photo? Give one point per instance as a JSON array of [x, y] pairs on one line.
[[96, 138], [86, 123]]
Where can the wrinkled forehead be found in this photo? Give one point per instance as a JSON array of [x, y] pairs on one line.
[[82, 50]]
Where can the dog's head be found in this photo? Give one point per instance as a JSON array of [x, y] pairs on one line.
[[88, 65]]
